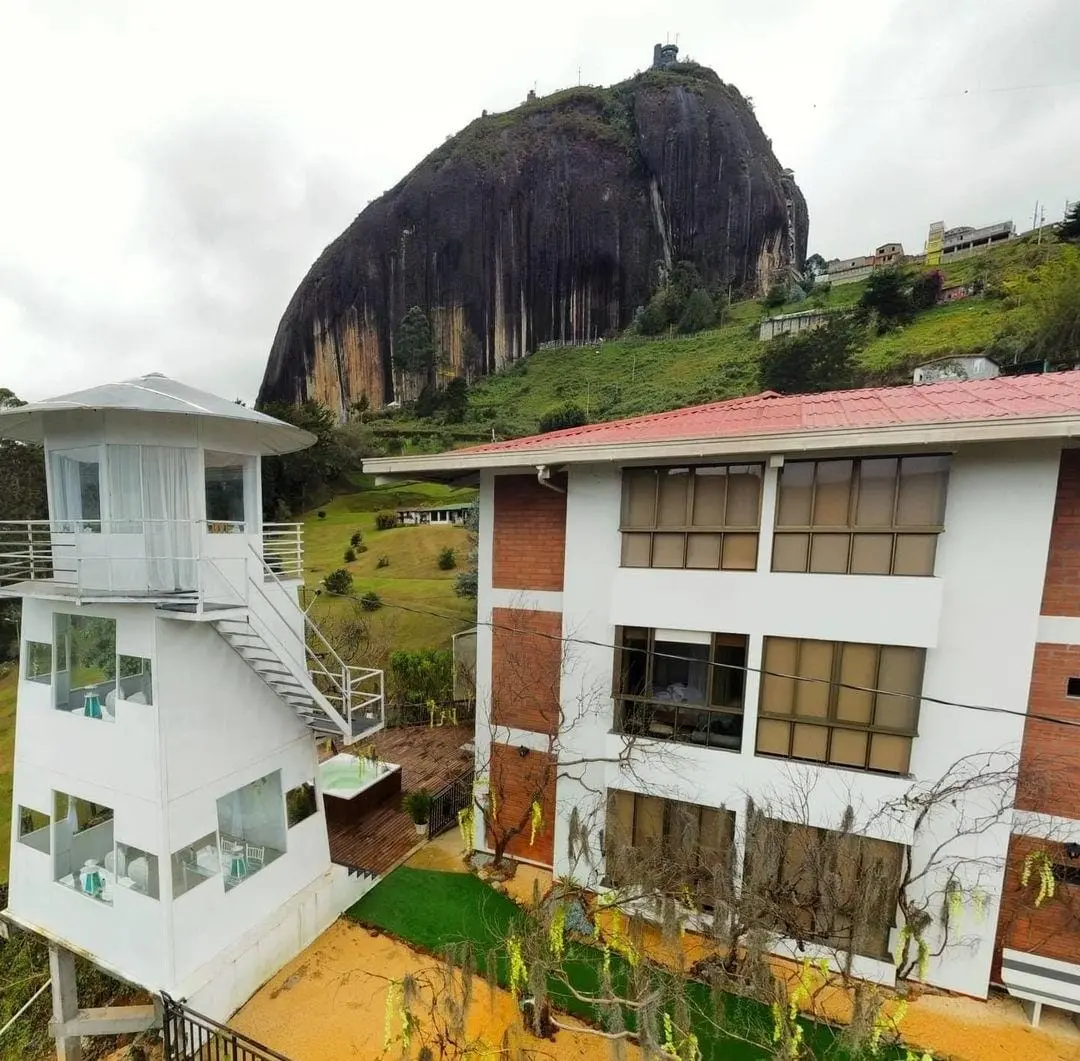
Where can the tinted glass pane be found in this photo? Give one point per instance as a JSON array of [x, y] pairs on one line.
[[668, 550], [810, 742], [848, 748], [915, 554], [772, 737], [790, 552], [901, 673], [744, 496], [703, 551], [778, 683], [858, 667], [710, 492], [922, 491], [877, 489], [671, 511], [635, 550], [829, 553], [890, 754], [871, 554], [815, 671], [639, 497], [740, 552], [796, 480], [832, 493]]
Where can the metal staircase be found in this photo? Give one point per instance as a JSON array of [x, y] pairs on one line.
[[332, 698]]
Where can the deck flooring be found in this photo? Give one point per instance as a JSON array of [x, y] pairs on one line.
[[429, 757]]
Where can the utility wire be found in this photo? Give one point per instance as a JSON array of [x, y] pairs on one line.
[[741, 667]]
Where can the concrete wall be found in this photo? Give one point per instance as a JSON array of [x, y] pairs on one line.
[[977, 619]]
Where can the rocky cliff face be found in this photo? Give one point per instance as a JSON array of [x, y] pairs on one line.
[[551, 222]]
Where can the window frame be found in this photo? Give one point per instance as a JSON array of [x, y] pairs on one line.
[[830, 721], [895, 531], [701, 875], [688, 529], [782, 892], [638, 701]]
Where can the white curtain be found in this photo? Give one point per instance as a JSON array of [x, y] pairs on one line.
[[125, 489], [67, 490], [168, 473]]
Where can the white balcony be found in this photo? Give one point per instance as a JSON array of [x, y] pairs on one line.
[[196, 563]]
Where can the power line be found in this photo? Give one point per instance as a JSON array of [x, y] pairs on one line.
[[745, 668]]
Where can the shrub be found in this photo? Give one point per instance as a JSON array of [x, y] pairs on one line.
[[356, 539], [422, 675], [321, 514], [699, 312], [926, 289], [562, 417], [818, 360], [383, 561], [339, 581], [371, 601], [417, 805], [350, 555], [447, 559], [386, 520], [361, 548], [776, 297]]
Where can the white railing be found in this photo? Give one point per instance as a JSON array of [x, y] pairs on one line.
[[151, 559], [357, 694], [283, 549]]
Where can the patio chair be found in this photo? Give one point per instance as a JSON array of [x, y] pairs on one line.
[[256, 856]]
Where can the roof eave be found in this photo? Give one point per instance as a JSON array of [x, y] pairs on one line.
[[926, 434]]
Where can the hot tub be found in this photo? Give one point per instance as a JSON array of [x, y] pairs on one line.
[[352, 785]]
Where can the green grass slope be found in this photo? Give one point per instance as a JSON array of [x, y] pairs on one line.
[[632, 375], [420, 608]]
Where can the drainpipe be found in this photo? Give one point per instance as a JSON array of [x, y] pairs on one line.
[[543, 477]]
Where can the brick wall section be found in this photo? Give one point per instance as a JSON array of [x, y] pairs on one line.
[[526, 669], [1051, 930], [1050, 756], [530, 534], [1061, 590], [516, 781]]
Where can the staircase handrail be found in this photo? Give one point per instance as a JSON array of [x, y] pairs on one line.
[[342, 683]]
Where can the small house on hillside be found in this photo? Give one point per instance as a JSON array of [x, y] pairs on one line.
[[452, 514]]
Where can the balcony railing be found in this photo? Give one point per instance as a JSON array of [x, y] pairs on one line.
[[143, 558]]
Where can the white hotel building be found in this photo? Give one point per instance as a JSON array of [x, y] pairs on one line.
[[923, 542]]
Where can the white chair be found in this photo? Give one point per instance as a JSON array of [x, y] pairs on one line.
[[255, 856]]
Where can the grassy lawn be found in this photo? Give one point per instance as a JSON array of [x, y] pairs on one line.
[[8, 681], [411, 584], [433, 910]]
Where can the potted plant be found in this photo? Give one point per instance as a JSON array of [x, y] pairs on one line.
[[417, 806]]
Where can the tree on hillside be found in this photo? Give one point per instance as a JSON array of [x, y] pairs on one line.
[[818, 360], [295, 481], [1069, 229], [815, 266], [561, 418], [414, 346], [776, 296], [888, 297], [682, 301], [926, 289]]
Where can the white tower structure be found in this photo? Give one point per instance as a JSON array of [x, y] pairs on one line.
[[167, 818]]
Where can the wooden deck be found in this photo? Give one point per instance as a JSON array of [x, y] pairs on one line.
[[429, 758]]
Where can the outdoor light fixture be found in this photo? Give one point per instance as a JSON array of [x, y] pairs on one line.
[[523, 751], [1072, 850]]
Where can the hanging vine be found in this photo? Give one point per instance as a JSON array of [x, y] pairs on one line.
[[1039, 864]]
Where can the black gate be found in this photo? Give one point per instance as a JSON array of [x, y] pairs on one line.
[[446, 803], [189, 1036]]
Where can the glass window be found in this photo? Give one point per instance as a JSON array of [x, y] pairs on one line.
[[33, 829], [674, 846], [76, 488], [137, 869], [897, 503], [705, 517], [87, 682], [681, 690], [300, 803], [225, 496], [134, 682], [195, 863], [824, 886], [83, 852], [847, 704], [38, 666], [251, 827], [124, 465]]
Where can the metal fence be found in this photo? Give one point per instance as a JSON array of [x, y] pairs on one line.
[[189, 1036], [446, 803]]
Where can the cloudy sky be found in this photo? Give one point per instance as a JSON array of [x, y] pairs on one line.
[[171, 169]]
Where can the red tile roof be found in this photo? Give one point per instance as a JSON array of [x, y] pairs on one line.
[[1004, 398]]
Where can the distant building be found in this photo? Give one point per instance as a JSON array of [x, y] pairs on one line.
[[956, 369], [848, 270], [791, 324], [455, 514], [950, 244], [955, 292], [663, 55]]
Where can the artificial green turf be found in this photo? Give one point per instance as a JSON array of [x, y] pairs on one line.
[[435, 910]]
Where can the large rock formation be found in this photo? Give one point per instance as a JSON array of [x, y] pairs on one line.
[[553, 221]]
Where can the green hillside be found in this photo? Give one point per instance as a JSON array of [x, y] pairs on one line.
[[633, 374]]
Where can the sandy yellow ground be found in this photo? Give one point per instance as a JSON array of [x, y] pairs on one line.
[[331, 1001]]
